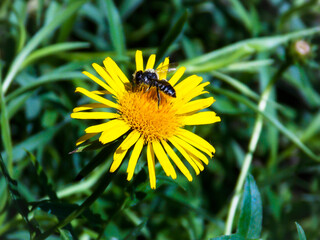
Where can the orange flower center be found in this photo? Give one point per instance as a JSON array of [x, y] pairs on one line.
[[141, 111]]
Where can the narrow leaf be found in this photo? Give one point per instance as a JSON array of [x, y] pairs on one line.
[[301, 234]]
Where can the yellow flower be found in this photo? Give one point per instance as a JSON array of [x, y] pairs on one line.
[[137, 114]]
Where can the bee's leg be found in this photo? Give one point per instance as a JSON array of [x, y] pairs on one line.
[[158, 94]]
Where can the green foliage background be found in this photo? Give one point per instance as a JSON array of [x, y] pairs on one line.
[[266, 94]]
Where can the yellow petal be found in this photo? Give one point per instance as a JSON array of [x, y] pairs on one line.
[[151, 61], [192, 93], [101, 92], [187, 85], [139, 61], [151, 166], [163, 69], [185, 155], [105, 126], [176, 76], [98, 81], [94, 115], [97, 98], [196, 105], [191, 150], [201, 118], [105, 75], [196, 141], [134, 157], [118, 71], [84, 138], [176, 160], [89, 106], [164, 160], [122, 150], [113, 133], [109, 66], [197, 162]]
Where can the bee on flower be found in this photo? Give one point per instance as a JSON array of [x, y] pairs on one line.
[[152, 113]]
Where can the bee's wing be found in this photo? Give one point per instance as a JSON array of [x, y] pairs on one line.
[[167, 68]]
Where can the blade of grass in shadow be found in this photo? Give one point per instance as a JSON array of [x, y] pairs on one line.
[[116, 30], [20, 203], [301, 234], [221, 57], [37, 39], [273, 121], [101, 186], [172, 35], [51, 50]]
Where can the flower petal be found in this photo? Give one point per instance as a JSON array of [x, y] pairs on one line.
[[105, 75], [139, 61], [201, 118], [94, 115], [196, 105], [164, 160], [105, 126], [98, 81], [191, 150], [122, 150], [187, 85], [176, 160], [115, 132], [134, 157], [196, 141], [164, 69], [151, 61], [109, 66], [97, 98], [89, 106], [177, 75], [101, 92], [118, 71], [186, 155], [84, 138], [151, 166]]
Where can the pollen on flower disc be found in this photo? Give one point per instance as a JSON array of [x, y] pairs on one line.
[[141, 111]]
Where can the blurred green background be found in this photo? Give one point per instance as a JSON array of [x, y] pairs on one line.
[[262, 59]]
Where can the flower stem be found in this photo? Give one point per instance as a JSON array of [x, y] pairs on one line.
[[252, 146]]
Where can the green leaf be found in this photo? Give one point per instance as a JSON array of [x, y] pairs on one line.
[[116, 30], [20, 203], [53, 49], [65, 234], [301, 234], [37, 39], [250, 221], [172, 35], [229, 237]]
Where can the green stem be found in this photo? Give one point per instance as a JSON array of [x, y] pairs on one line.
[[252, 146], [102, 185]]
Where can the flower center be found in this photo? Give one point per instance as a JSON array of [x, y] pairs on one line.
[[141, 111]]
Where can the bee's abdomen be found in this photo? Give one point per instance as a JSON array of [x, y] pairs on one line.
[[166, 87]]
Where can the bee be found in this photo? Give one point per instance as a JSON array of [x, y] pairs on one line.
[[150, 78]]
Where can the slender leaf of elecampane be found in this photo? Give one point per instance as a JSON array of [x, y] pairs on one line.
[[242, 13], [66, 28], [52, 50], [39, 11], [37, 39], [248, 47], [301, 234], [20, 203], [116, 30], [136, 231], [48, 78], [229, 237], [42, 178], [249, 66], [17, 103], [171, 36], [65, 234], [271, 119], [101, 186], [22, 35], [5, 129], [96, 161], [33, 142], [250, 221], [127, 7]]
